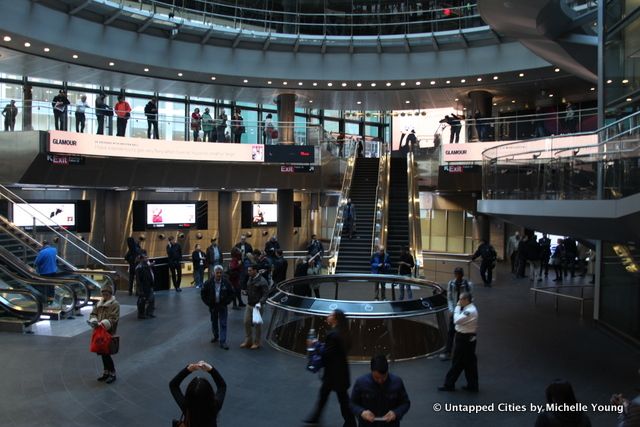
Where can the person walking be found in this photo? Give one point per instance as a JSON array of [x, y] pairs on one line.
[[122, 110], [455, 288], [336, 369], [81, 108], [349, 218], [198, 261], [257, 292], [174, 259], [107, 314], [196, 122], [59, 105], [379, 398], [200, 404], [465, 319], [405, 268], [488, 255], [235, 275], [151, 112], [557, 259], [380, 264], [560, 393], [512, 251], [145, 280], [217, 293], [10, 113], [213, 256], [133, 252], [532, 255], [208, 131], [545, 254], [102, 111]]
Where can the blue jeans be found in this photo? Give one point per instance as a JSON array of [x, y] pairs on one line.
[[408, 287], [219, 322], [198, 274]]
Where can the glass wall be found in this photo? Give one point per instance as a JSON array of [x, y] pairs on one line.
[[445, 230]]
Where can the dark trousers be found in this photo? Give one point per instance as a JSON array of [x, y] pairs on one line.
[[558, 270], [522, 266], [107, 363], [237, 137], [544, 265], [132, 277], [80, 121], [343, 399], [486, 271], [219, 322], [381, 290], [208, 136], [146, 304], [121, 126], [454, 137], [220, 131], [176, 274], [451, 333], [59, 118], [100, 119], [152, 129], [514, 262], [9, 125], [464, 359]]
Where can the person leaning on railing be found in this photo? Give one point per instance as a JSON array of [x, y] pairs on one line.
[[123, 113], [102, 111]]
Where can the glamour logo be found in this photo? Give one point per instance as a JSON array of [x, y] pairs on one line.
[[64, 141], [454, 152]]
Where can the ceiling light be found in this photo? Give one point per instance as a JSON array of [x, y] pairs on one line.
[[299, 83], [269, 82], [593, 88], [46, 49], [557, 70], [455, 100], [407, 101], [495, 103], [75, 56], [179, 74], [463, 81], [111, 64], [6, 38], [315, 84], [27, 44], [448, 82], [343, 84], [521, 75], [550, 95], [629, 99], [388, 84], [146, 70], [213, 77], [625, 81], [609, 81], [245, 81], [329, 84], [495, 77], [359, 102], [311, 101], [373, 85], [418, 83], [432, 82], [402, 83], [358, 84], [284, 83], [513, 101], [479, 79]]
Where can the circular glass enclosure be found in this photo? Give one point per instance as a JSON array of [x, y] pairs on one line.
[[399, 328]]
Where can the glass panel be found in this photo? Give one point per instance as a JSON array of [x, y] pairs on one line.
[[455, 236], [332, 113], [246, 104], [352, 128], [439, 230], [9, 92], [91, 125], [425, 227], [331, 126], [468, 233], [251, 126], [137, 126], [371, 131], [171, 120]]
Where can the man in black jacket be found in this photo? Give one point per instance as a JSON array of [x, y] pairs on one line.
[[271, 247], [214, 256], [174, 255], [217, 294], [133, 252], [379, 396], [244, 247], [151, 111], [144, 288], [488, 254], [257, 292], [59, 105], [280, 266]]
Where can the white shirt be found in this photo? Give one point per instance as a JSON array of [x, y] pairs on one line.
[[466, 320], [81, 106]]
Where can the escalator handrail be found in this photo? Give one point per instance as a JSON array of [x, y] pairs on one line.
[[7, 306]]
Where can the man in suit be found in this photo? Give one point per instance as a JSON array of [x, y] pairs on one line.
[[174, 255], [144, 287], [217, 294]]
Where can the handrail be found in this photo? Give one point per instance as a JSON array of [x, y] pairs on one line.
[[334, 245], [546, 290], [17, 311], [415, 230], [379, 232]]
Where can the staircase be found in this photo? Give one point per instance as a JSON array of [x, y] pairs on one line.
[[398, 212], [355, 253], [20, 249]]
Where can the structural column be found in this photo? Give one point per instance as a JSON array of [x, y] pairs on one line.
[[480, 107], [286, 114], [284, 230], [225, 220], [27, 97]]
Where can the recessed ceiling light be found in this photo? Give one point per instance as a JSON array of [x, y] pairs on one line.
[[463, 81], [593, 88], [311, 101], [269, 82], [75, 56], [550, 95], [432, 82], [455, 100], [146, 70], [448, 82], [6, 38], [495, 103], [329, 84], [359, 102], [359, 84], [343, 84], [213, 77], [111, 64], [179, 74], [46, 49], [625, 81], [27, 44], [479, 79], [373, 85], [629, 99], [407, 101], [513, 101], [521, 75], [285, 83], [418, 83], [245, 81], [609, 81], [557, 70], [388, 84], [495, 77], [299, 83], [315, 84], [402, 83]]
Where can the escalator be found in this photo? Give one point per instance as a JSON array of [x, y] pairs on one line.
[[355, 253], [398, 212], [19, 309]]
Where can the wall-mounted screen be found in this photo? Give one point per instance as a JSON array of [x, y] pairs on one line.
[[171, 215], [51, 214], [264, 214]]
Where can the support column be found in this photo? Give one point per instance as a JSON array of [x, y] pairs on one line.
[[480, 107], [27, 102], [225, 220], [284, 230], [286, 103]]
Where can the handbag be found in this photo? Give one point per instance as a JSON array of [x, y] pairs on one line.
[[100, 340], [114, 344], [274, 134]]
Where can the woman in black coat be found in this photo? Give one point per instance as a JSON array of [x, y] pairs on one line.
[[336, 369], [200, 405]]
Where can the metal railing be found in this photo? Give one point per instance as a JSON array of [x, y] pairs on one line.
[[558, 168], [379, 227], [555, 291], [22, 304], [305, 18]]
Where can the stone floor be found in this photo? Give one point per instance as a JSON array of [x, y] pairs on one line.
[[50, 381]]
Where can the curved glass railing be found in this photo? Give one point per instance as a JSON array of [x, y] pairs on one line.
[[598, 165], [400, 329], [304, 17], [17, 305]]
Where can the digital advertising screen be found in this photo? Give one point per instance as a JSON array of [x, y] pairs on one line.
[[51, 214], [171, 214], [265, 213]]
